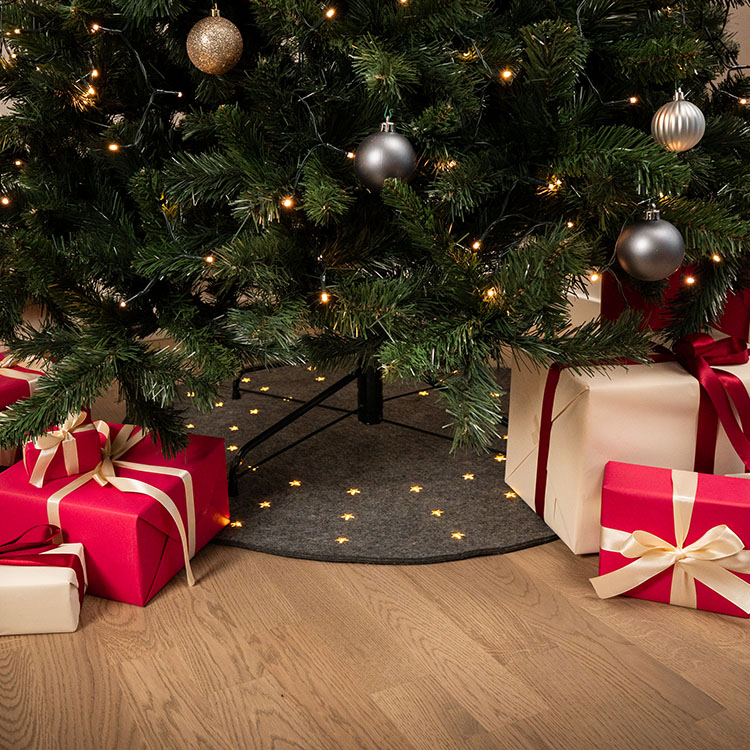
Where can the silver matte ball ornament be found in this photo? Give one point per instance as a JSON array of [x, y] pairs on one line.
[[678, 125], [383, 155], [652, 249], [214, 44]]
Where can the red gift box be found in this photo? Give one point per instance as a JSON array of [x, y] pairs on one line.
[[141, 516], [73, 448], [677, 537], [16, 382], [735, 318]]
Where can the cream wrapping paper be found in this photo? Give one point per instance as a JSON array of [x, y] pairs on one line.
[[640, 415], [40, 599]]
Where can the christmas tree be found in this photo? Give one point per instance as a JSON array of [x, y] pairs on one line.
[[236, 214]]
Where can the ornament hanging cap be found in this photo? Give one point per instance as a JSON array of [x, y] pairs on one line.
[[678, 95], [387, 126], [215, 13], [653, 213]]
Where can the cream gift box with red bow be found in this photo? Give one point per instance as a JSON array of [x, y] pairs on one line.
[[42, 583], [141, 516], [564, 427], [677, 537]]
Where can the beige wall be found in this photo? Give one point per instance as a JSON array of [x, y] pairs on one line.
[[740, 25]]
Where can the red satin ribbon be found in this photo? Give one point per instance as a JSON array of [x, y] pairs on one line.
[[27, 548], [698, 354]]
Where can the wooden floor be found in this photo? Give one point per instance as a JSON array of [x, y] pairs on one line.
[[511, 651]]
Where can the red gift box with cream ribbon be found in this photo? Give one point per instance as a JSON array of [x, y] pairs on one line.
[[71, 449], [16, 384], [677, 537], [141, 516]]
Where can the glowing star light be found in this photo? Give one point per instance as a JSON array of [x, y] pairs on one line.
[[245, 380], [265, 388], [468, 476], [236, 524], [437, 512], [424, 393], [265, 504], [500, 458], [233, 428], [233, 448], [218, 403], [254, 411], [295, 483], [353, 491], [190, 426], [347, 516], [510, 494], [320, 378], [341, 539], [458, 535], [416, 488]]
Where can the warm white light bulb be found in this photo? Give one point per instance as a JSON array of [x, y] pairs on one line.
[[331, 12], [113, 147]]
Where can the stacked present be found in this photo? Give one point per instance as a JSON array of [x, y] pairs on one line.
[[140, 516], [632, 462]]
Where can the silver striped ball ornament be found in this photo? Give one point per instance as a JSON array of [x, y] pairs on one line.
[[383, 155], [650, 249], [678, 125]]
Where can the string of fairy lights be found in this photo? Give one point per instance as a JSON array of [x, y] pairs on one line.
[[506, 75]]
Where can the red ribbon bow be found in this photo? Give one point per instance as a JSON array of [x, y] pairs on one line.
[[27, 549], [700, 355]]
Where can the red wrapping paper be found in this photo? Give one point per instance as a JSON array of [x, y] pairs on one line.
[[132, 544], [641, 498], [15, 389]]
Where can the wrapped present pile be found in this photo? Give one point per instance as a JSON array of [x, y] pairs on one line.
[[140, 516], [636, 463]]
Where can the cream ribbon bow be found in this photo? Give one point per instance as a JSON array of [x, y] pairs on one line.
[[708, 560], [6, 370], [105, 473], [50, 443]]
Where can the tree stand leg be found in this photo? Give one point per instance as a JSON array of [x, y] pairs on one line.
[[370, 397]]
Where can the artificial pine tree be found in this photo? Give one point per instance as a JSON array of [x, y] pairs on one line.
[[224, 211]]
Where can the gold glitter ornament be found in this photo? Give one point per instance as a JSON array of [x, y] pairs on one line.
[[214, 44]]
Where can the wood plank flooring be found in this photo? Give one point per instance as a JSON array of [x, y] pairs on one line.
[[510, 651]]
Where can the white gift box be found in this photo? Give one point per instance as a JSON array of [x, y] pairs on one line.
[[40, 598], [640, 415]]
